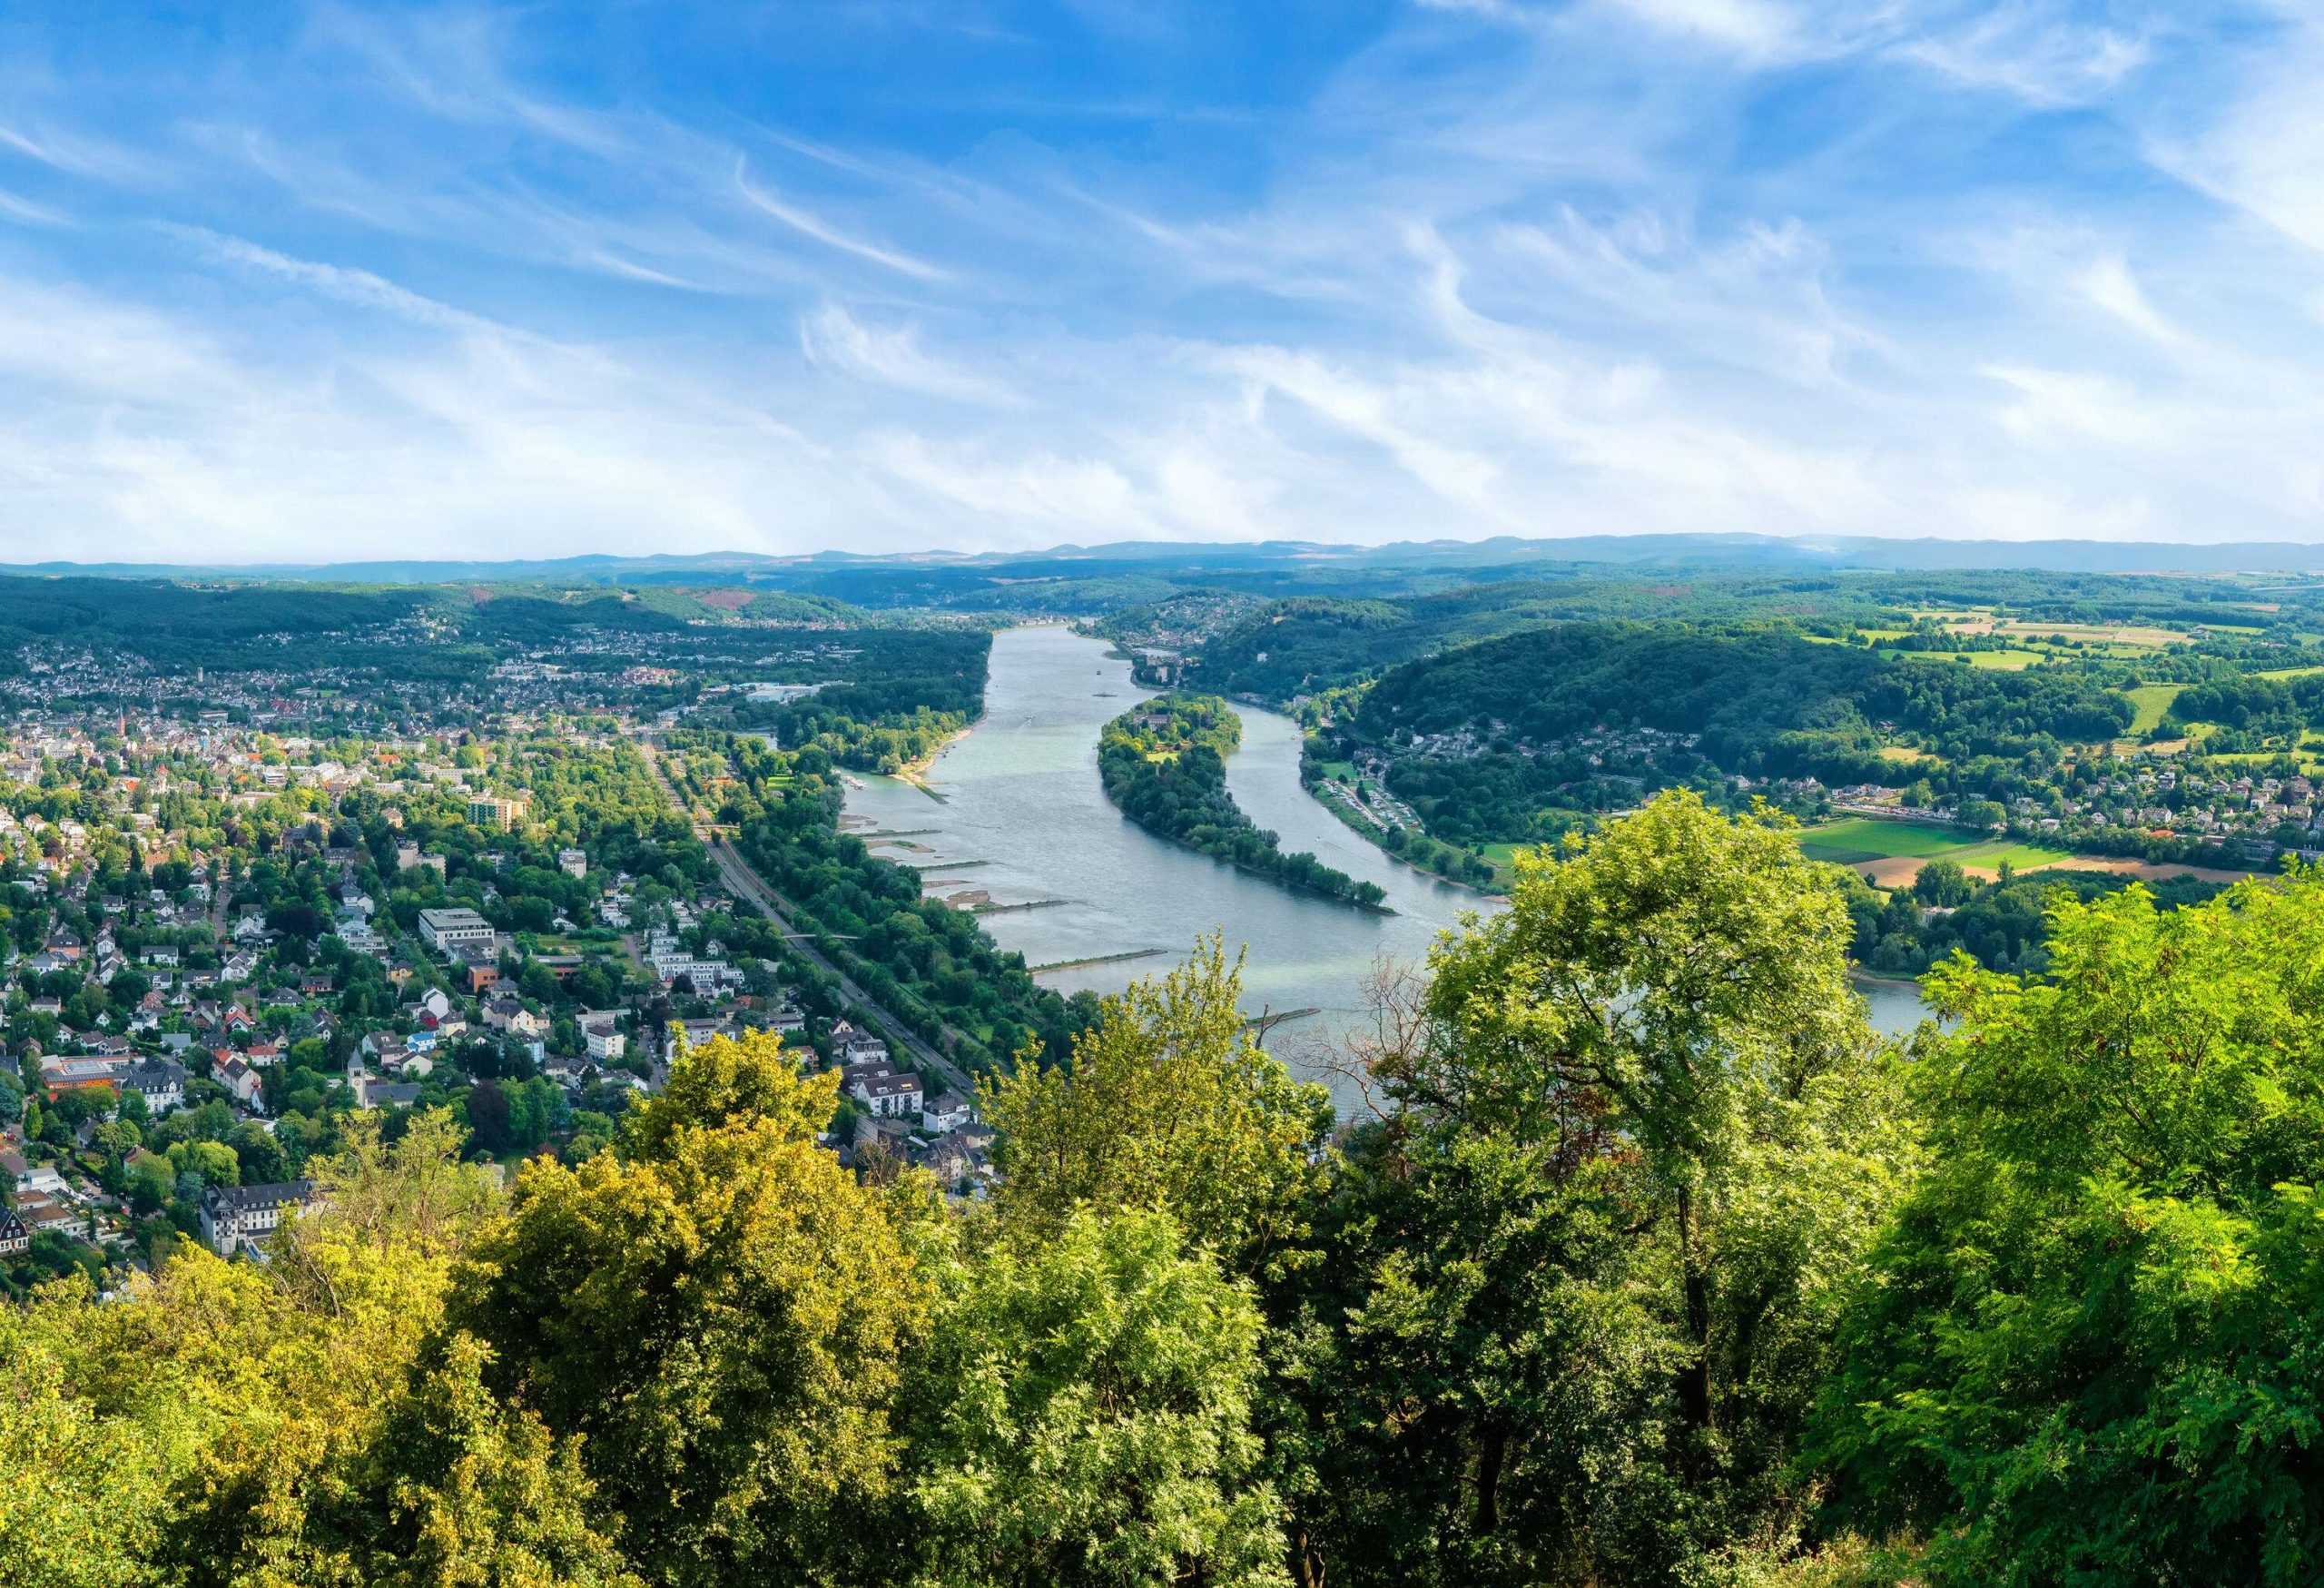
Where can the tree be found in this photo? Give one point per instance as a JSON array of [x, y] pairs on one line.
[[2082, 1349], [720, 1316], [1943, 883], [1168, 1103], [458, 1488], [1590, 1270], [487, 1116], [1081, 1417], [258, 1155], [85, 1493], [1983, 815]]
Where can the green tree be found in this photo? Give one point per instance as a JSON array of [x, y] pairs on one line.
[[719, 1314], [1582, 1286], [1168, 1103], [1081, 1417], [1943, 882], [2084, 1351]]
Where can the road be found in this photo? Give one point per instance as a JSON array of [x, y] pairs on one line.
[[746, 884]]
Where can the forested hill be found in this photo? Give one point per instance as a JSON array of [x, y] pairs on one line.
[[1165, 765], [1762, 702], [1313, 642]]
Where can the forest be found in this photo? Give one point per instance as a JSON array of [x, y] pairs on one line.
[[1549, 719], [1646, 1263], [1303, 643], [1165, 765], [909, 691]]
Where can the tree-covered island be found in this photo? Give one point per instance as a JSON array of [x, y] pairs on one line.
[[1164, 763]]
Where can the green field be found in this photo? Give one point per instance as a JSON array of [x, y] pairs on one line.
[[2009, 661], [1861, 841], [2152, 700]]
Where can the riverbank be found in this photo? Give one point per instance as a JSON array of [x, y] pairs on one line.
[[915, 771], [1365, 828]]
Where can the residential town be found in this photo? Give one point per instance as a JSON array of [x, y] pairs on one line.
[[221, 935]]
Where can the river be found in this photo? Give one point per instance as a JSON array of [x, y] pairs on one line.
[[1014, 808]]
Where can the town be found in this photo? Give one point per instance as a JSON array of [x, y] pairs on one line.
[[223, 934]]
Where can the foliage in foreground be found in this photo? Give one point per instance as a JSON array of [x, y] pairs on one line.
[[1653, 1267]]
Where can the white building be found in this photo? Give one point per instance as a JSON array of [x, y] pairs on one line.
[[446, 930], [238, 1217]]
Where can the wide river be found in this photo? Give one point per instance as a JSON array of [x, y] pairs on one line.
[[1017, 811]]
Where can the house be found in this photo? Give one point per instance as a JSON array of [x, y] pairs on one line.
[[39, 1213], [445, 930], [947, 1112], [955, 1158], [693, 1033], [160, 1081], [30, 1178], [604, 1042], [371, 1093], [496, 811], [240, 1079], [59, 1074], [15, 1240], [573, 863], [506, 1014], [404, 1061], [856, 1047], [238, 1217], [888, 1095]]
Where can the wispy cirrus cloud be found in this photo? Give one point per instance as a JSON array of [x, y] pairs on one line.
[[892, 356], [543, 280]]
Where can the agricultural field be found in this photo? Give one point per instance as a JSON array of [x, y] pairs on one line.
[[1891, 853]]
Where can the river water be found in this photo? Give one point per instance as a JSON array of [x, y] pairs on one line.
[[1015, 808]]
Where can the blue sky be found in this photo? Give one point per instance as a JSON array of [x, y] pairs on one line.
[[322, 281]]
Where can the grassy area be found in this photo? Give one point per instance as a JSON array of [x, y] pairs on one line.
[[1862, 838], [2009, 661], [2279, 673], [1904, 753], [1894, 850], [2152, 700]]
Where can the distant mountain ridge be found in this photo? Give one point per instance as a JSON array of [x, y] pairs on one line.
[[1676, 551]]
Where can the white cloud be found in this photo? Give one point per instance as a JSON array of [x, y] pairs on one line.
[[2024, 50], [892, 356], [823, 232], [19, 209], [1564, 276]]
